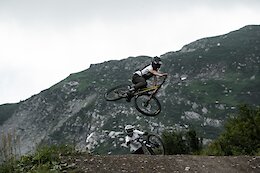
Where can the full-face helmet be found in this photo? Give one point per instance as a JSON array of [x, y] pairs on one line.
[[129, 129], [156, 62]]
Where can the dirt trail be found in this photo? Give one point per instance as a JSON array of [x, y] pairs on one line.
[[162, 164]]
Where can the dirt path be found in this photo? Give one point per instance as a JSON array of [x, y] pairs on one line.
[[162, 164]]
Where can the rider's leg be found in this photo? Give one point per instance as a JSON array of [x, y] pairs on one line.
[[139, 82]]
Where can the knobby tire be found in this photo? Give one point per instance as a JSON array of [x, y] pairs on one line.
[[159, 142], [141, 101], [116, 93]]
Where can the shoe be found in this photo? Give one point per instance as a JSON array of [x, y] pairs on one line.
[[130, 92], [129, 96]]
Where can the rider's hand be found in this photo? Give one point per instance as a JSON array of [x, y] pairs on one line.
[[128, 143], [163, 74]]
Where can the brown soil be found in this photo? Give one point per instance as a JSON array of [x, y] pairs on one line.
[[161, 164]]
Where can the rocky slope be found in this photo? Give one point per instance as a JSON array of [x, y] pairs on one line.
[[221, 72]]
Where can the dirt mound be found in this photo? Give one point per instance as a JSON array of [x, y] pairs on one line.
[[156, 164]]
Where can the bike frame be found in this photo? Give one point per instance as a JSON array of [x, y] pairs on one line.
[[146, 145], [151, 88]]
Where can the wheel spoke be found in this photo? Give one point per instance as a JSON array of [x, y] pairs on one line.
[[156, 145], [116, 93], [148, 106]]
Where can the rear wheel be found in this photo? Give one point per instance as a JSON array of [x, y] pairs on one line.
[[156, 146], [116, 93], [147, 105]]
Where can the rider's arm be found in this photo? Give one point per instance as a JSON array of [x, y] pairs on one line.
[[138, 132], [156, 73], [127, 140]]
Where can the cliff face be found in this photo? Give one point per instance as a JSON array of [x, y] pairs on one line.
[[220, 73]]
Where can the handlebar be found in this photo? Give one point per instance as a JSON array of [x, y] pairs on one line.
[[164, 79]]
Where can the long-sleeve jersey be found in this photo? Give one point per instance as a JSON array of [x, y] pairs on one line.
[[134, 144], [145, 72]]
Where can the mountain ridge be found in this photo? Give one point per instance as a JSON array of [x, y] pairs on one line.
[[221, 71]]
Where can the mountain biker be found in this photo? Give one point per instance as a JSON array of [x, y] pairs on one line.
[[140, 76], [131, 139]]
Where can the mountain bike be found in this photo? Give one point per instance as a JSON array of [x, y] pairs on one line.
[[152, 144], [144, 99]]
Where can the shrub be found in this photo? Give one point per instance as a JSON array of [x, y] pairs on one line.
[[181, 143], [241, 134], [45, 158]]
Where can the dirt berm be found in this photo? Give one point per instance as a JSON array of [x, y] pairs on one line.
[[161, 164]]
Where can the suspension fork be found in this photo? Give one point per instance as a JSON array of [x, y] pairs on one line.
[[150, 97], [149, 149], [155, 91]]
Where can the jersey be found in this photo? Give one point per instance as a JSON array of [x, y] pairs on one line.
[[145, 72], [134, 144]]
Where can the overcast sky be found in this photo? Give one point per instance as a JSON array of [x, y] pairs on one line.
[[43, 41]]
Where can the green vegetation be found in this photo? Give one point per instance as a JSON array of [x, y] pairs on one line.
[[6, 111], [206, 92], [45, 159], [9, 146], [241, 135], [182, 143]]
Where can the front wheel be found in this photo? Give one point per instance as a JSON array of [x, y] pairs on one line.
[[156, 146], [147, 105], [116, 93]]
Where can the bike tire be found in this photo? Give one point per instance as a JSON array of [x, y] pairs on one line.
[[157, 146], [147, 107], [116, 93]]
